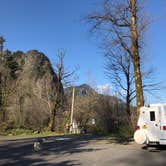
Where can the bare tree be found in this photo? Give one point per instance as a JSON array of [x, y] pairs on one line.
[[121, 26], [65, 75], [119, 69], [64, 78]]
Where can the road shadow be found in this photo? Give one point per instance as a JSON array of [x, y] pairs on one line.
[[118, 140], [141, 157], [21, 152], [154, 148], [68, 163]]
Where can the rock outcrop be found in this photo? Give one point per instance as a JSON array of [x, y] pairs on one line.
[[28, 90]]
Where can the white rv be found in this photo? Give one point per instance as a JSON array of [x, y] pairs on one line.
[[151, 126]]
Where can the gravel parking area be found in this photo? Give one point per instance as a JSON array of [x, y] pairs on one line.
[[79, 150]]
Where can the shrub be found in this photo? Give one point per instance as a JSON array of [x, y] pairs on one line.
[[125, 131], [3, 127]]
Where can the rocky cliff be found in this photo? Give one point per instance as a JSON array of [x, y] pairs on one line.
[[28, 89]]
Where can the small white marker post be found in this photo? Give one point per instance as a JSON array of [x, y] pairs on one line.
[[72, 110]]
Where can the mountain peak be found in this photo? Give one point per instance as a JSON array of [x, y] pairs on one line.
[[83, 90]]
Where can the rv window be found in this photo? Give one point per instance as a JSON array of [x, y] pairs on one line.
[[152, 116]]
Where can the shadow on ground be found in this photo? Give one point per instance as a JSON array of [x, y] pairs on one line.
[[116, 140], [21, 151], [154, 148], [57, 151], [142, 156]]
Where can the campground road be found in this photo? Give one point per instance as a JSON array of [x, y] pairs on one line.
[[78, 151]]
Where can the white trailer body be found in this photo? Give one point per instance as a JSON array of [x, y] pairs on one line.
[[151, 126]]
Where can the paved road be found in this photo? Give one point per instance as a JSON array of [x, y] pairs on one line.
[[79, 151]]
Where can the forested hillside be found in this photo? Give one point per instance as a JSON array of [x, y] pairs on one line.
[[109, 112]]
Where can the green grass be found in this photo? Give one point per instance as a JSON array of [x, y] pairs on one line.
[[17, 133]]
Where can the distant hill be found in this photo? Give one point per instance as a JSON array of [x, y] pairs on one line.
[[86, 90], [82, 90]]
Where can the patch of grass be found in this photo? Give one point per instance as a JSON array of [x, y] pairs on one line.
[[16, 133], [118, 138]]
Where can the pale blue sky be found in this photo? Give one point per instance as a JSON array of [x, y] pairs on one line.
[[49, 25]]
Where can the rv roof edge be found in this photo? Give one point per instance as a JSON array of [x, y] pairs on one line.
[[154, 104], [147, 105]]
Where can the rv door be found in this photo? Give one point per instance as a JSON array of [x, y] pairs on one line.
[[163, 126], [153, 129]]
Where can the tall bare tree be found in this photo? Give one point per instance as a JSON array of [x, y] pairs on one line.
[[122, 27], [135, 51], [119, 69], [64, 78]]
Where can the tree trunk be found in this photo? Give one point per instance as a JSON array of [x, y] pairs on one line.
[[128, 93], [128, 106], [135, 55], [53, 121]]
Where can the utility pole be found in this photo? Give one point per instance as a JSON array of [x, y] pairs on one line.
[[72, 110], [2, 40]]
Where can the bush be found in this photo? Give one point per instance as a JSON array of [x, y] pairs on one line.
[[126, 131], [3, 127]]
